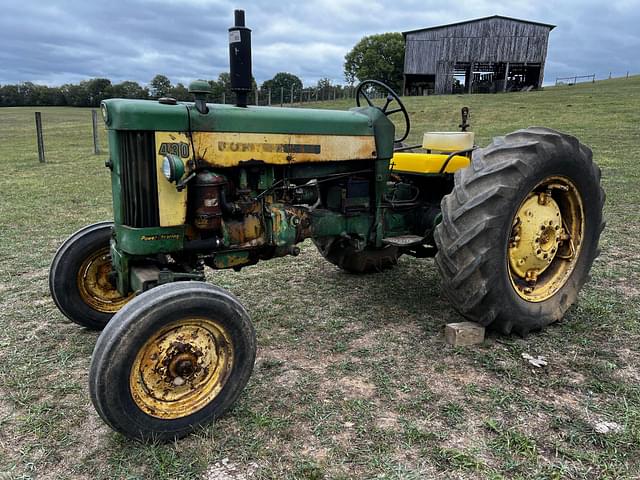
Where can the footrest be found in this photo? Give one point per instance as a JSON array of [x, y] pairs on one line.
[[403, 240]]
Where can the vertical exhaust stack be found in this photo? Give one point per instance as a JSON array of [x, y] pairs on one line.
[[240, 59]]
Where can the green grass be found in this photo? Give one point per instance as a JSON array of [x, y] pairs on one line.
[[353, 379]]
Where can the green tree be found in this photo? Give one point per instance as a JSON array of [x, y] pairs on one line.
[[324, 83], [378, 57], [75, 95], [97, 90], [180, 93], [160, 86], [279, 81], [128, 89], [10, 96]]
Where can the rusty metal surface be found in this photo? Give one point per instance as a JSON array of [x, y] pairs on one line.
[[181, 368], [231, 149], [546, 239], [94, 285]]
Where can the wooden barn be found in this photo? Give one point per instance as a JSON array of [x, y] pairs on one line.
[[491, 54]]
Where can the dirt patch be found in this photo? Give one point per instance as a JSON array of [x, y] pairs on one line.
[[355, 388], [387, 420], [226, 470], [316, 452], [290, 359]]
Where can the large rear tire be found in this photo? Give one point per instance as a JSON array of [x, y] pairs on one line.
[[79, 278], [346, 257], [520, 230], [174, 358]]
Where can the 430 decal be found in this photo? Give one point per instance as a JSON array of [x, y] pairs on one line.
[[174, 148]]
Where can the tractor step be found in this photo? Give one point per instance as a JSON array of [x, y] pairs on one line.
[[403, 240]]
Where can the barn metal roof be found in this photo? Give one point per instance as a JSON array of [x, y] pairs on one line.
[[551, 27]]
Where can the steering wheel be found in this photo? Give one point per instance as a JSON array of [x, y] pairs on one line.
[[391, 96]]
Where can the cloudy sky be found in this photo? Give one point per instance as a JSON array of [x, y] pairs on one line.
[[55, 41]]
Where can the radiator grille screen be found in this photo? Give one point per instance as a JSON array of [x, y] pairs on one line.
[[138, 179]]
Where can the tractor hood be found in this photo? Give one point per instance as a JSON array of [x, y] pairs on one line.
[[150, 115]]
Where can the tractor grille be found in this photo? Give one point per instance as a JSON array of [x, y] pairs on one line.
[[138, 179]]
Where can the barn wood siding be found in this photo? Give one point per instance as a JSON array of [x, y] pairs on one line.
[[488, 40]]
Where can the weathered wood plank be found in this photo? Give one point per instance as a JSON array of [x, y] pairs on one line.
[[497, 40]]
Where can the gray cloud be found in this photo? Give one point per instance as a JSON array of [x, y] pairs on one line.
[[71, 40]]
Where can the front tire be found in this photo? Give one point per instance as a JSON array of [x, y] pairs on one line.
[[520, 230], [79, 278], [174, 358]]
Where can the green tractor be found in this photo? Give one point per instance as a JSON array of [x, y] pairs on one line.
[[513, 227]]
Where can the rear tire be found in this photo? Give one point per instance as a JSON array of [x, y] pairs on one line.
[[174, 358], [345, 256], [476, 242]]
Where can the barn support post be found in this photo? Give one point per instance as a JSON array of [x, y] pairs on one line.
[[470, 78], [506, 77]]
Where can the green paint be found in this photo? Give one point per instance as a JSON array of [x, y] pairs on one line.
[[116, 189], [151, 115], [146, 115], [147, 241], [120, 263], [325, 223]]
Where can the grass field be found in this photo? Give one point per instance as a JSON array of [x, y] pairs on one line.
[[353, 379]]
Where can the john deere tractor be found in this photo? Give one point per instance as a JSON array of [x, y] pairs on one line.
[[513, 227]]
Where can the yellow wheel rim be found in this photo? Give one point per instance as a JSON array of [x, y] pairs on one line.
[[545, 239], [94, 286], [181, 368]]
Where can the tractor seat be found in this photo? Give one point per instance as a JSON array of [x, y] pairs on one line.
[[439, 146]]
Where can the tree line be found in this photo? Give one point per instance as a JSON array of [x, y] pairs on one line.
[[380, 57], [89, 93]]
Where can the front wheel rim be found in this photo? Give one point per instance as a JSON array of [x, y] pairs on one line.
[[181, 368], [545, 239], [96, 290]]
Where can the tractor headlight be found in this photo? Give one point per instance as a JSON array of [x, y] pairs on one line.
[[105, 113], [172, 168]]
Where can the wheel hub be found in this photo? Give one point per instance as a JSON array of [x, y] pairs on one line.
[[545, 239], [535, 236], [181, 368], [94, 283]]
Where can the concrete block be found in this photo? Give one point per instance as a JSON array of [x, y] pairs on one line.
[[463, 333]]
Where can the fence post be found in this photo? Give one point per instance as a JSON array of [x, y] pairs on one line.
[[40, 138], [627, 74], [269, 97], [94, 124], [281, 96], [224, 99], [257, 98]]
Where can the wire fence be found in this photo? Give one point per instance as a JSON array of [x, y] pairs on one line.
[[573, 79], [281, 97]]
